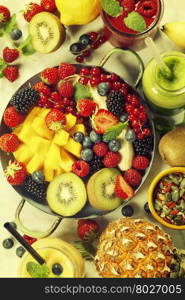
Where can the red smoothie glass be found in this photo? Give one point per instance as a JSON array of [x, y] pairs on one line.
[[119, 35]]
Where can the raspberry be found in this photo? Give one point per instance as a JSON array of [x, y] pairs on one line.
[[133, 177], [111, 159], [11, 73], [147, 8], [80, 168], [9, 55], [128, 5], [100, 149], [140, 162], [66, 70], [66, 89], [50, 76], [42, 88]]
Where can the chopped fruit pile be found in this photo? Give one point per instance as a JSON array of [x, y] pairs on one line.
[[81, 123]]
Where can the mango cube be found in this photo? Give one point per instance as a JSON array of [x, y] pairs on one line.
[[38, 144], [41, 129], [48, 170], [70, 121], [53, 156], [78, 127], [32, 114], [43, 113], [73, 147], [66, 160], [26, 133], [58, 171], [23, 154], [61, 137], [35, 163]]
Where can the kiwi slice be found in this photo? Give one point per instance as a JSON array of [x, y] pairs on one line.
[[100, 189], [66, 194], [47, 32]]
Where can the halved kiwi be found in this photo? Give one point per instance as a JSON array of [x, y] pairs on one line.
[[66, 194], [47, 32], [100, 189]]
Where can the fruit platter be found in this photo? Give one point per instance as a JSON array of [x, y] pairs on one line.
[[91, 134]]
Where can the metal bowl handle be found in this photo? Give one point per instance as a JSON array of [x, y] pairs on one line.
[[140, 62], [29, 232]]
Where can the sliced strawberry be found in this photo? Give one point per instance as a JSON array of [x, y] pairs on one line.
[[122, 189], [103, 120]]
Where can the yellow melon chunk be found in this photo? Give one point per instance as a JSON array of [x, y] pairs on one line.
[[41, 129], [78, 127], [61, 137], [35, 163], [32, 114], [23, 154], [26, 133], [38, 144], [53, 156], [73, 147], [70, 121], [66, 160], [48, 171]]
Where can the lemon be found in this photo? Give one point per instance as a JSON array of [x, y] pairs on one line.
[[78, 12]]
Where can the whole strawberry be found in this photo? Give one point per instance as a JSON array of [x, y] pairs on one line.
[[9, 142], [48, 5], [15, 173], [50, 76], [55, 120], [12, 118], [86, 107], [11, 73], [66, 70], [9, 55], [31, 10], [42, 88], [87, 230], [65, 89], [4, 15]]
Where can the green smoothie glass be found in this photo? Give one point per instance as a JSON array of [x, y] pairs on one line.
[[164, 94]]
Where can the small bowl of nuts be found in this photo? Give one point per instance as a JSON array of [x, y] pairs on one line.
[[166, 198]]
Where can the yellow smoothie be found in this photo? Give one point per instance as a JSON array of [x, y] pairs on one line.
[[55, 251]]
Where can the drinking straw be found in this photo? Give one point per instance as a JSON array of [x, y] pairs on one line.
[[22, 241], [156, 54]]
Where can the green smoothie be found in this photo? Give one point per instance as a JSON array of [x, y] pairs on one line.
[[162, 91]]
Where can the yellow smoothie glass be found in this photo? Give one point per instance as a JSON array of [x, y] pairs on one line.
[[55, 251]]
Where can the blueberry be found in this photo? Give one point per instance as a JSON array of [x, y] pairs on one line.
[[127, 211], [84, 40], [115, 145], [130, 135], [103, 88], [8, 243], [20, 251], [57, 269], [87, 154], [78, 137], [146, 208], [75, 48], [95, 137], [38, 176], [123, 118], [87, 143], [16, 34]]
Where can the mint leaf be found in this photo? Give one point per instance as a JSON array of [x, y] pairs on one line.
[[112, 7], [86, 250], [114, 131], [3, 65], [26, 46], [135, 22], [82, 91], [9, 26], [37, 271]]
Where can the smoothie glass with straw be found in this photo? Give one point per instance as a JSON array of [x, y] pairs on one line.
[[163, 81], [48, 258]]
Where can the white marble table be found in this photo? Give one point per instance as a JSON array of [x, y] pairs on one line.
[[9, 199]]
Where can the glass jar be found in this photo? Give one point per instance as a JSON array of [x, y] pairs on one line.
[[55, 251], [131, 40], [167, 100]]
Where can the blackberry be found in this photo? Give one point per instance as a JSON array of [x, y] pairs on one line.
[[35, 190], [24, 99], [95, 164], [115, 101], [144, 146]]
